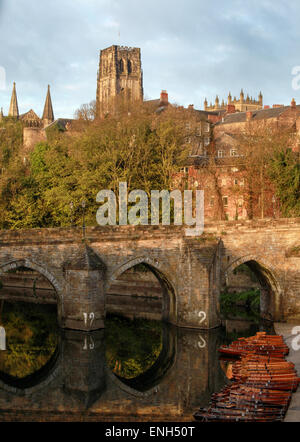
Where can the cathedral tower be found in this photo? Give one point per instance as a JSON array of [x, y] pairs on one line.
[[120, 78]]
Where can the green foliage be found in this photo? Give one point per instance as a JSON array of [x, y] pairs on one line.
[[132, 347], [31, 336], [284, 171], [230, 303]]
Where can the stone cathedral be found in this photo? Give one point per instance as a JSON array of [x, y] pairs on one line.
[[119, 76]]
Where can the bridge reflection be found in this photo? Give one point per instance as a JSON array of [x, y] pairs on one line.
[[77, 379]]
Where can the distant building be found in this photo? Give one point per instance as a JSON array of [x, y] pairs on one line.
[[235, 105]]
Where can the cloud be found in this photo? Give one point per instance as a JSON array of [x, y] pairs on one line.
[[192, 48]]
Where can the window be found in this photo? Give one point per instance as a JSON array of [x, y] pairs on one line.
[[188, 126], [242, 183], [199, 130], [241, 202], [121, 65], [184, 169], [221, 153], [212, 202], [236, 182], [206, 141], [223, 182], [233, 153], [129, 67], [207, 127], [225, 201]]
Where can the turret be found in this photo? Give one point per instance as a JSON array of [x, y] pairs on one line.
[[260, 99], [13, 108], [229, 98], [205, 104], [242, 96], [48, 115]]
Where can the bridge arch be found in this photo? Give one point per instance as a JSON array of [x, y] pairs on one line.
[[25, 262], [169, 310], [267, 275]]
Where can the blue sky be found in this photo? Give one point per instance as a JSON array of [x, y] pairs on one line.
[[192, 48]]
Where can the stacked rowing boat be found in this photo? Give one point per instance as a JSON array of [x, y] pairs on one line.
[[263, 382]]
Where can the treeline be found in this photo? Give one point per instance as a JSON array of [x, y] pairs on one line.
[[47, 189], [146, 149]]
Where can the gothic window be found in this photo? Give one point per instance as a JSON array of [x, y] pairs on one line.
[[221, 153], [121, 65], [207, 127], [129, 67]]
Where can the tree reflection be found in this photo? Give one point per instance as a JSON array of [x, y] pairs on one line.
[[132, 346], [31, 338]]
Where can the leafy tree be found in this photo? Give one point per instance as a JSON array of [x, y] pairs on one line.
[[284, 170]]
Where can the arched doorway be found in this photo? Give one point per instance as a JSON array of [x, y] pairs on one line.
[[254, 273]]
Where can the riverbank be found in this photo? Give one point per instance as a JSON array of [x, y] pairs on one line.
[[285, 329]]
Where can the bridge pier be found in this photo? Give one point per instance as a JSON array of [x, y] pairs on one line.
[[83, 305]]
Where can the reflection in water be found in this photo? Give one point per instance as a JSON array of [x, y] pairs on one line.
[[132, 346], [134, 370], [31, 338]]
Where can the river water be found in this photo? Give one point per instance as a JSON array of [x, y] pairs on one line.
[[134, 370]]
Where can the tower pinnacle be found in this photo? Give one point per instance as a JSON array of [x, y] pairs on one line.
[[13, 108], [48, 115]]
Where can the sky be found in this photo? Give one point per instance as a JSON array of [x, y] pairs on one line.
[[192, 48]]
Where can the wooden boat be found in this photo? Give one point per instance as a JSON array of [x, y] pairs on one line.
[[263, 382]]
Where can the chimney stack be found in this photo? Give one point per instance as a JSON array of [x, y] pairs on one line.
[[230, 109], [164, 98], [293, 104]]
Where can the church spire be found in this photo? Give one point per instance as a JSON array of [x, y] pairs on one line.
[[13, 108], [48, 115]]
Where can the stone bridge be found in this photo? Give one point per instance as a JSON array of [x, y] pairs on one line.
[[191, 271]]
